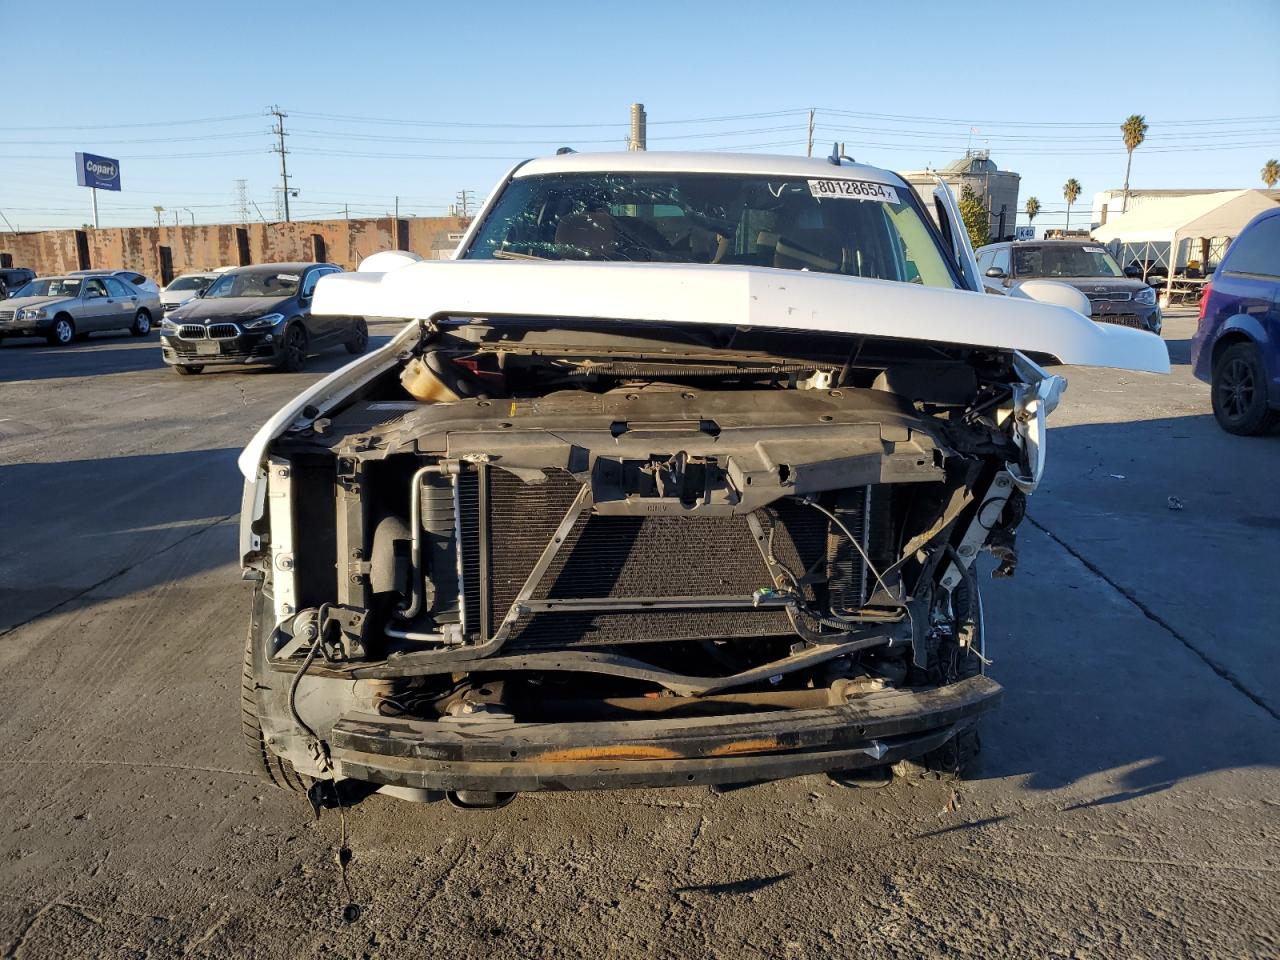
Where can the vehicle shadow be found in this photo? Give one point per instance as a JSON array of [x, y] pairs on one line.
[[1136, 644], [99, 518], [32, 359]]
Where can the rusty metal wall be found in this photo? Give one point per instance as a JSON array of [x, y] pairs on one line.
[[203, 247]]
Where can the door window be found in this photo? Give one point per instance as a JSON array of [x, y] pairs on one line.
[[1001, 260], [117, 288], [1258, 250], [95, 289]]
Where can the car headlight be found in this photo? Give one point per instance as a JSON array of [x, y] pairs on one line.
[[32, 313], [262, 323], [168, 326], [1146, 295]]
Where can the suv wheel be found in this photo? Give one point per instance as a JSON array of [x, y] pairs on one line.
[[264, 763], [949, 663], [295, 349], [63, 332], [359, 341], [1240, 392]]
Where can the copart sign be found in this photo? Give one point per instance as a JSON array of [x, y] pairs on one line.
[[102, 173]]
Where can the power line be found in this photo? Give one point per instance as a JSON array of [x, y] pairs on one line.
[[149, 123]]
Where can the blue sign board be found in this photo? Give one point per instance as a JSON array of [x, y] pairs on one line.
[[102, 173], [1024, 233]]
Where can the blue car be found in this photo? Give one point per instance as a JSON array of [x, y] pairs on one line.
[[1236, 348]]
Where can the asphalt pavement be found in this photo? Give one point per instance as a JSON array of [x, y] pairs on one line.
[[1127, 803]]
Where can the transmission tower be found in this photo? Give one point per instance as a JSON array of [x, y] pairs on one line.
[[466, 200], [242, 200]]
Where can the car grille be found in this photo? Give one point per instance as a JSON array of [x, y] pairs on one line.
[[215, 331], [1115, 297], [6, 315], [618, 557], [1120, 319]]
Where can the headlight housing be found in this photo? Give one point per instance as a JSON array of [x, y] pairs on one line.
[[263, 323], [32, 313], [167, 325], [1146, 295]]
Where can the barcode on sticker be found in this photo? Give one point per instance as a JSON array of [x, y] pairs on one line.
[[852, 190]]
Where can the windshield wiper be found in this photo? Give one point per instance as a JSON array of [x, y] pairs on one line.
[[512, 255]]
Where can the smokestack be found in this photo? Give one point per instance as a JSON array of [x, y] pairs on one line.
[[638, 123]]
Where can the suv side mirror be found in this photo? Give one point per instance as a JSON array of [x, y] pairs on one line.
[[1132, 272], [995, 273]]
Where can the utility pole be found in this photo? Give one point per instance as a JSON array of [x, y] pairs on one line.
[[465, 199], [397, 207], [159, 210], [809, 151], [242, 199], [346, 211], [175, 218], [639, 123], [278, 130]]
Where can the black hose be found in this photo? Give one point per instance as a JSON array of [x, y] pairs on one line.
[[306, 665]]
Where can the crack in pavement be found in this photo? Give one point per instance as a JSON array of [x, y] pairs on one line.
[[1155, 618], [113, 576]]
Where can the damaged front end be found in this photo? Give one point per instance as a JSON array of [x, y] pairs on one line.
[[535, 553]]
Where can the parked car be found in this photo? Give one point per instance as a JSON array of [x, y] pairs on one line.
[[1236, 347], [185, 287], [257, 315], [696, 504], [13, 278], [62, 309], [128, 276], [1115, 295]]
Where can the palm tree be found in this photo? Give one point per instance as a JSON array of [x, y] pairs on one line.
[[1070, 193], [1271, 173], [1033, 209], [1135, 131]]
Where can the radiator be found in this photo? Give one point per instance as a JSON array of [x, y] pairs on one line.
[[613, 557]]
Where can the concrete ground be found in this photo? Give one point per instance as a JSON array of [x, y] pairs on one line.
[[1128, 802]]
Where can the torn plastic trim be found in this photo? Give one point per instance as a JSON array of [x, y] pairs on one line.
[[1033, 400]]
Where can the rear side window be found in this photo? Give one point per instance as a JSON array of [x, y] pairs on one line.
[[1258, 250]]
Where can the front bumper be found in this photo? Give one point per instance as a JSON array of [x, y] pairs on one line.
[[26, 328], [870, 729], [246, 348], [1139, 316]]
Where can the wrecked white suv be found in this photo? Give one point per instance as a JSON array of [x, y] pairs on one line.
[[677, 475]]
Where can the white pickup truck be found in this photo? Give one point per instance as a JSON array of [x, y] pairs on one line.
[[676, 475]]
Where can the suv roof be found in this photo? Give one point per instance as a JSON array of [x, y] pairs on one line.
[[644, 161]]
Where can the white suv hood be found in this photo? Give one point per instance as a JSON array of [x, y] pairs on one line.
[[730, 295]]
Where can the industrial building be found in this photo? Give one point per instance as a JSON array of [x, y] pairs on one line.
[[996, 188]]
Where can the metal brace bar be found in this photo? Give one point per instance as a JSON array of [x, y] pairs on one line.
[[975, 535]]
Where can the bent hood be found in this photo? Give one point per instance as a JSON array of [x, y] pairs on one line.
[[741, 297], [699, 294]]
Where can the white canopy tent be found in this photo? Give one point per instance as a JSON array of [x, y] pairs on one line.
[[1161, 229]]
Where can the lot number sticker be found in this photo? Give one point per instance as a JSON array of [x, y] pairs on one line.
[[852, 190]]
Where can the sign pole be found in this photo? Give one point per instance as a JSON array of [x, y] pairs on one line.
[[94, 193]]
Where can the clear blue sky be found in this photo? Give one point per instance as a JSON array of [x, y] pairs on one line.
[[911, 79]]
